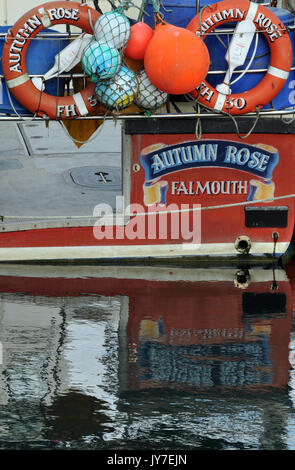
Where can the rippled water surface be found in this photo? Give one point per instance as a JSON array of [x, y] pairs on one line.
[[147, 358]]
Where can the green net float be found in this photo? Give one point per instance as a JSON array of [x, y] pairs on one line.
[[119, 92], [100, 61]]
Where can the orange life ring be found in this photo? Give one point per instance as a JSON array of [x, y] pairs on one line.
[[280, 55], [14, 59]]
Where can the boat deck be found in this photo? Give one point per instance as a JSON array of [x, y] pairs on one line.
[[45, 174]]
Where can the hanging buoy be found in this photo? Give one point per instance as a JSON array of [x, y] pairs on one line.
[[176, 60], [100, 62], [112, 28], [141, 34], [148, 96]]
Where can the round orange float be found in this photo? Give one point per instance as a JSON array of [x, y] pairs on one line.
[[141, 34]]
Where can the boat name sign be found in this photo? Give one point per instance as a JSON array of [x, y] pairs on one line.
[[161, 160], [217, 153]]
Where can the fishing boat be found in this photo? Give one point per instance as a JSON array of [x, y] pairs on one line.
[[204, 171]]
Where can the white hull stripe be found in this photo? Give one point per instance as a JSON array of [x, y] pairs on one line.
[[83, 111], [133, 251], [279, 73], [220, 101], [14, 82]]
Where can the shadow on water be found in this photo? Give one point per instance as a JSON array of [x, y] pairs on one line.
[[156, 358], [74, 415]]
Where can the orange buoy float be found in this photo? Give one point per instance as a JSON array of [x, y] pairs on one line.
[[14, 60], [280, 45], [141, 34], [176, 60]]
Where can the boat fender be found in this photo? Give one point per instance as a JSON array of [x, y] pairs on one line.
[[14, 60], [279, 67]]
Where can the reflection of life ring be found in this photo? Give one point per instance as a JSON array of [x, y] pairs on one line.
[[14, 59], [280, 55]]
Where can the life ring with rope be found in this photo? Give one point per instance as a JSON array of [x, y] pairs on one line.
[[14, 60], [279, 67]]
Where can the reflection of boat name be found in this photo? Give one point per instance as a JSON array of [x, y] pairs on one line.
[[209, 333], [210, 187]]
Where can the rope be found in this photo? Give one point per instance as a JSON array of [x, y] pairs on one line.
[[251, 129], [286, 121], [250, 61], [188, 98], [129, 214], [124, 5], [21, 118], [97, 7], [156, 6], [198, 130], [90, 19]]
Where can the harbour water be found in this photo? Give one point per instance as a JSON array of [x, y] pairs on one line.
[[104, 358]]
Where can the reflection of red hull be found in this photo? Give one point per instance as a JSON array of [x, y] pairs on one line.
[[177, 315], [203, 332]]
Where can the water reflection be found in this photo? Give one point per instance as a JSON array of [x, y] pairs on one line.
[[146, 358]]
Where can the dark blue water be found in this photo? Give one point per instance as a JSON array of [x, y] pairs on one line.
[[147, 359]]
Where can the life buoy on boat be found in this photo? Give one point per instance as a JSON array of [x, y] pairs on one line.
[[14, 59], [279, 67]]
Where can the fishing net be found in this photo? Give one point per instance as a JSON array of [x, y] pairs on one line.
[[118, 92], [148, 96], [100, 61], [113, 28], [103, 61]]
